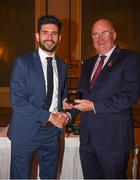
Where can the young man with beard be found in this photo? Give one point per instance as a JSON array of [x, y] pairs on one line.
[[36, 121]]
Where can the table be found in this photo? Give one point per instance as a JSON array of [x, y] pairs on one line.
[[5, 156], [71, 167]]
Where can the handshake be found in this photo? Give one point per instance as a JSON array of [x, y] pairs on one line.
[[74, 101], [59, 119]]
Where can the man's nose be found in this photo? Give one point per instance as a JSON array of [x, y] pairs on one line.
[[100, 36], [50, 36]]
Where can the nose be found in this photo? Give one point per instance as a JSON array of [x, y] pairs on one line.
[[50, 37], [100, 37]]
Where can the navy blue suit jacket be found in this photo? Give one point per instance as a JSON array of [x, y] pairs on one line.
[[116, 90], [28, 93]]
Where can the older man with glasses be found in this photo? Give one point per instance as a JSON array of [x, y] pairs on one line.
[[110, 86]]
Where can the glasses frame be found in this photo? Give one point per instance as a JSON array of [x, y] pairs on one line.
[[103, 34]]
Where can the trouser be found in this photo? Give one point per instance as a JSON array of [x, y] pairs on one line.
[[47, 145], [102, 164]]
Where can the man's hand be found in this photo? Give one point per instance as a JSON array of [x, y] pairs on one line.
[[84, 105], [59, 119], [67, 105], [3, 132]]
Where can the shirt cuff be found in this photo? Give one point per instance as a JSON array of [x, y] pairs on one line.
[[93, 108]]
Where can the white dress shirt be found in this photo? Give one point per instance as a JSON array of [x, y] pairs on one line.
[[43, 55]]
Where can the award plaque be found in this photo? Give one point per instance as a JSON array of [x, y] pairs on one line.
[[72, 95]]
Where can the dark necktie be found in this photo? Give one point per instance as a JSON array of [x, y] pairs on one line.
[[97, 72], [49, 83]]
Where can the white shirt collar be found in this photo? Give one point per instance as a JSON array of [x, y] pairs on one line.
[[109, 52], [43, 55]]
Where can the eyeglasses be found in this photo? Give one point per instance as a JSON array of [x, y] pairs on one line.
[[103, 34]]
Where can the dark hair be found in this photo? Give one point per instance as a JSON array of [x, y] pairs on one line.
[[47, 19]]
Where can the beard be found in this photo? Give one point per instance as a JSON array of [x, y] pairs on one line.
[[48, 49]]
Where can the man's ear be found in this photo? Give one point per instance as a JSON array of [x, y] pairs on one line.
[[37, 37], [60, 37], [115, 35]]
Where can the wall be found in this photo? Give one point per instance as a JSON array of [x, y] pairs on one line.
[[125, 16], [61, 9], [17, 36]]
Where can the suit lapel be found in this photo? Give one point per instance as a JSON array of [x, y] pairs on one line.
[[112, 60], [91, 67], [110, 64], [39, 72]]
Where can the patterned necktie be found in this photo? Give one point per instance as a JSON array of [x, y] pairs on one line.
[[49, 83], [97, 72]]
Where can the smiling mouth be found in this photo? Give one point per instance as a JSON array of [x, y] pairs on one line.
[[49, 43], [101, 43]]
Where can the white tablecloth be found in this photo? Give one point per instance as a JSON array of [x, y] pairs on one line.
[[5, 156], [71, 167]]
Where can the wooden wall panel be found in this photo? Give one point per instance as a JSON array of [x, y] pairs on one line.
[[17, 36], [125, 17]]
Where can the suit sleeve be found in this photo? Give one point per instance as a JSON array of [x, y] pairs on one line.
[[129, 93], [19, 96], [65, 89]]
